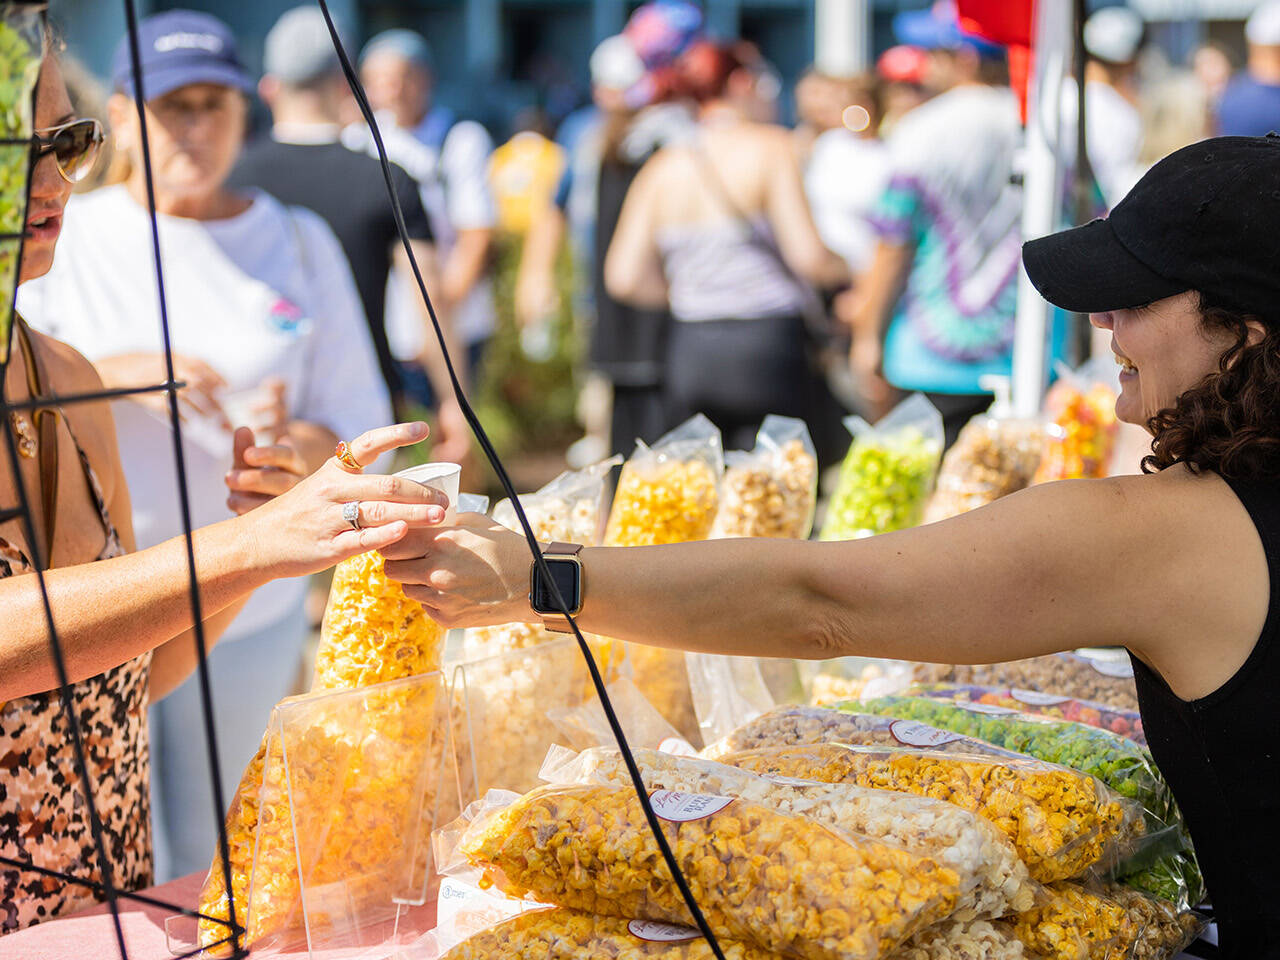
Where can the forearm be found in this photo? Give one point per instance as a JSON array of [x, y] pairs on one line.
[[173, 662], [111, 611], [882, 285], [466, 263]]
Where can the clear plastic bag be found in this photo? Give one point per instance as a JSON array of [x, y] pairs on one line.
[[784, 883], [505, 708], [1060, 821], [669, 493], [994, 456], [727, 692], [1081, 439], [330, 828], [371, 634], [1163, 862], [888, 473], [797, 725], [1101, 675], [772, 490], [1126, 723], [559, 934], [850, 678], [964, 940], [585, 726], [932, 828], [1074, 922]]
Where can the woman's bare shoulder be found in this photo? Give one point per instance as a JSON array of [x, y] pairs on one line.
[[69, 370]]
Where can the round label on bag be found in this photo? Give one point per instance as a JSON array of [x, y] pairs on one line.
[[913, 733], [989, 709], [686, 807], [656, 932], [1036, 699], [678, 747]]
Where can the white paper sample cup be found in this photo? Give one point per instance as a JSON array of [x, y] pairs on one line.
[[444, 477]]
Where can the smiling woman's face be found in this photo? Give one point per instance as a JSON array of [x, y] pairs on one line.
[[49, 191], [1164, 350]]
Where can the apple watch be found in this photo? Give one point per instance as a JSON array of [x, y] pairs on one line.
[[565, 568]]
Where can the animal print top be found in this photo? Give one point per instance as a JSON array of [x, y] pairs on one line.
[[44, 819]]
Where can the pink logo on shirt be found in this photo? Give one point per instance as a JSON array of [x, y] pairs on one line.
[[285, 315]]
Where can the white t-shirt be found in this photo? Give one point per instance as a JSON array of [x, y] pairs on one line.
[[455, 193], [265, 293], [1113, 136], [844, 179]]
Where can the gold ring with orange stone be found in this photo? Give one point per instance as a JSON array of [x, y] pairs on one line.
[[342, 453]]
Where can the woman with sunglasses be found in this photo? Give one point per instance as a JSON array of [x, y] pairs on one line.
[[263, 313], [124, 618]]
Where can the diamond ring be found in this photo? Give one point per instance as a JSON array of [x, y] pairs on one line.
[[351, 514]]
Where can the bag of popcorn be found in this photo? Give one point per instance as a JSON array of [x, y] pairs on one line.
[[770, 491]]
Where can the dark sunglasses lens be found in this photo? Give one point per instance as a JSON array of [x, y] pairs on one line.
[[76, 147]]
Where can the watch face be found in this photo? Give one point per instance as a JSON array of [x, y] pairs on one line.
[[568, 577]]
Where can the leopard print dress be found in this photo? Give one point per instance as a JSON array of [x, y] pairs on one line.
[[44, 819]]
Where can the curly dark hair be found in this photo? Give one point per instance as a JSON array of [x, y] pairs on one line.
[[1229, 423]]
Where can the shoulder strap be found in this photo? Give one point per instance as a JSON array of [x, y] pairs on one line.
[[46, 421]]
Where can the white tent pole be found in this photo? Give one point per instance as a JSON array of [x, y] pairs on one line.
[[1042, 192], [841, 36]]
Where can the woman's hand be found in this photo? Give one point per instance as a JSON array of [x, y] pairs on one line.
[[302, 531], [259, 474], [470, 575], [203, 383]]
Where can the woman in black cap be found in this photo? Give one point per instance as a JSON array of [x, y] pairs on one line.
[[1180, 565]]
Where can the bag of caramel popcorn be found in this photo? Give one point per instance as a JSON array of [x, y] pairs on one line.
[[770, 491]]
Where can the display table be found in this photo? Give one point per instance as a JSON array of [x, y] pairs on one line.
[[91, 934]]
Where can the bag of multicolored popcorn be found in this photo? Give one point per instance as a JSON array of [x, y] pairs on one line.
[[770, 491], [1060, 821], [797, 725], [784, 883], [1082, 434], [888, 473], [933, 828]]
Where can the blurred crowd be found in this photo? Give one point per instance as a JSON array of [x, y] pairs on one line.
[[712, 260]]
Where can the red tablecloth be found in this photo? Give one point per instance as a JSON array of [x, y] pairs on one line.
[[90, 935]]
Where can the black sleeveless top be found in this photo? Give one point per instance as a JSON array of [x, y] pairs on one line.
[[1221, 756]]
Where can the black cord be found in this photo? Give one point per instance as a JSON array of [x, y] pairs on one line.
[[491, 455], [202, 667]]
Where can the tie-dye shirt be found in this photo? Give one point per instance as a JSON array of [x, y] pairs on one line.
[[951, 199]]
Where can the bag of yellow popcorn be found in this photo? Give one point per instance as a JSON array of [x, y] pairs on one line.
[[372, 635], [770, 491], [668, 493], [932, 828], [784, 883], [1061, 821]]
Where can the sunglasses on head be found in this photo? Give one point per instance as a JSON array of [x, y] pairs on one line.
[[74, 146]]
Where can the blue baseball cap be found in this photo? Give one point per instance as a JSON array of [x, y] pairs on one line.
[[177, 48], [938, 28]]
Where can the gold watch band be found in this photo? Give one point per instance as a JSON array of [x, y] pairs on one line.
[[556, 622]]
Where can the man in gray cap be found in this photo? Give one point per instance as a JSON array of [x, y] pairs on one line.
[[450, 158], [304, 163]]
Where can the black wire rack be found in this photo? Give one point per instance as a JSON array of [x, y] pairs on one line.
[[104, 884]]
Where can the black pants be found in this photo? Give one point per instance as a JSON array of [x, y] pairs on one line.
[[738, 371], [639, 413], [957, 409]]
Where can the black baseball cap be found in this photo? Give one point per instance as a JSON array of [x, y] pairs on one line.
[[1206, 218]]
